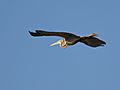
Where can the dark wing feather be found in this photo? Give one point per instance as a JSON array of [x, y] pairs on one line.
[[46, 33], [92, 41]]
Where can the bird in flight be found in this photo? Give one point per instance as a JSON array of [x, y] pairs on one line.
[[70, 39]]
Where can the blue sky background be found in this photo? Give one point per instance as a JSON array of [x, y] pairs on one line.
[[28, 63]]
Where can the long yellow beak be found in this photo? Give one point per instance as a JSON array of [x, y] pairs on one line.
[[55, 43]]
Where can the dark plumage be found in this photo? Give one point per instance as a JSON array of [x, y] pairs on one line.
[[70, 39]]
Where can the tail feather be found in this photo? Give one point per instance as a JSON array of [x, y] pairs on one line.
[[92, 41]]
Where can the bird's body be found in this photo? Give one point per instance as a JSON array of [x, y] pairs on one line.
[[70, 39]]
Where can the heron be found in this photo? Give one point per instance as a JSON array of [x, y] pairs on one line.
[[70, 39]]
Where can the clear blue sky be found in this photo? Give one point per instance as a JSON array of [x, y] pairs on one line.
[[28, 63]]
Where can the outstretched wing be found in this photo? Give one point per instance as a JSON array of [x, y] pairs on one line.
[[46, 33], [92, 41]]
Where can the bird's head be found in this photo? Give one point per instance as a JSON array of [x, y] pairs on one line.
[[61, 42]]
